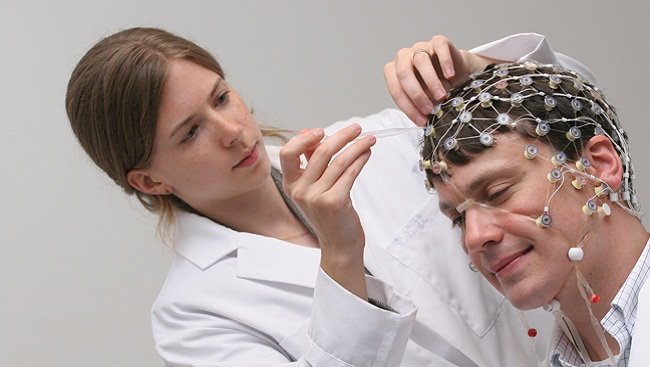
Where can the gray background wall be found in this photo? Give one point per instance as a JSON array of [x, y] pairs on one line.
[[80, 264]]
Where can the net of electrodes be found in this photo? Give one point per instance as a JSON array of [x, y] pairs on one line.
[[591, 112]]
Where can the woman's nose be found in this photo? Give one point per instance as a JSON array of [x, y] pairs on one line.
[[226, 131]]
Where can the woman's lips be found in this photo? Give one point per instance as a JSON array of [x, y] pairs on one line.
[[250, 159]]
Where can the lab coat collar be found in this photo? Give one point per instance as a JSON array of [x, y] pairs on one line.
[[535, 47], [204, 243], [510, 48]]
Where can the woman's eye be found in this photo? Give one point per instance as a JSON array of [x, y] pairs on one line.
[[222, 98], [191, 133]]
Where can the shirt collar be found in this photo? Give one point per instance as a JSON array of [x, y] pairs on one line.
[[626, 300]]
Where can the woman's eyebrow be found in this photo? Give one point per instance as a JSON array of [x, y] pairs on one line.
[[180, 125], [189, 118], [215, 87]]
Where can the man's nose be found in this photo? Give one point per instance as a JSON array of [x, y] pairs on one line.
[[481, 227]]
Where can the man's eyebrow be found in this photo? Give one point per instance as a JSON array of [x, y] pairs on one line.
[[445, 208], [477, 183], [486, 175]]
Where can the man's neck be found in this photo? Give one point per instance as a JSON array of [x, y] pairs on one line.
[[614, 255]]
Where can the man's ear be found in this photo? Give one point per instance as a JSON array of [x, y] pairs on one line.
[[606, 164], [143, 182]]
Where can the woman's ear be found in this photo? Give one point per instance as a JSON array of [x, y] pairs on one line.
[[606, 164], [143, 182]]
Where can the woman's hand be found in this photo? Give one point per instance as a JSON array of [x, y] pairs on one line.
[[421, 75], [322, 191]]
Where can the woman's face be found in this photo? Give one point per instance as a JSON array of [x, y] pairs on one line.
[[208, 149]]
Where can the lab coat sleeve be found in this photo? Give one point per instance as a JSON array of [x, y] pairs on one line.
[[342, 331], [530, 46], [348, 331]]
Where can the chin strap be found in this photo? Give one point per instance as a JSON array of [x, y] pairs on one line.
[[584, 287], [532, 333]]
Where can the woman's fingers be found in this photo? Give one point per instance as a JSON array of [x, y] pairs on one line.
[[291, 152], [323, 154], [328, 162], [344, 169]]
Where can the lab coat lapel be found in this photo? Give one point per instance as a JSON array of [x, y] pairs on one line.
[[268, 259], [262, 258]]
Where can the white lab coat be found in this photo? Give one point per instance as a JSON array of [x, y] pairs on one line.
[[411, 246], [238, 299]]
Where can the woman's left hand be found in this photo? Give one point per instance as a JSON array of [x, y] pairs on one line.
[[322, 191]]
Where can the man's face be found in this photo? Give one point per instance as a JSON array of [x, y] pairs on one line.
[[507, 193]]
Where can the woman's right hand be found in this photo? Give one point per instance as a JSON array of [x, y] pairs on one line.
[[322, 192]]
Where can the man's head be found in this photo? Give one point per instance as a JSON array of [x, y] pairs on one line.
[[527, 160]]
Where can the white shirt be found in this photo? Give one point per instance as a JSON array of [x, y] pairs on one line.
[[618, 322]]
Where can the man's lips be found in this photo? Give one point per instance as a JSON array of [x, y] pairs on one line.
[[249, 158], [503, 263]]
